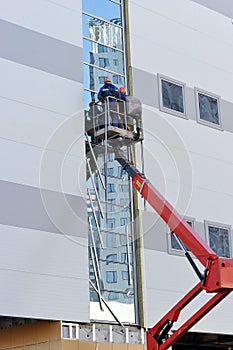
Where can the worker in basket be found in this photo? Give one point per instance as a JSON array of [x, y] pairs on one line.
[[109, 93], [131, 107], [122, 108]]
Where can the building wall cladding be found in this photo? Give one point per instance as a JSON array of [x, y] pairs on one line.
[[190, 163], [43, 263]]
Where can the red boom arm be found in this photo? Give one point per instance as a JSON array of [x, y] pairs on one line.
[[218, 271]]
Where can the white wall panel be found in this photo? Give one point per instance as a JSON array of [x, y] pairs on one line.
[[40, 89], [179, 51], [47, 17], [22, 164], [43, 275]]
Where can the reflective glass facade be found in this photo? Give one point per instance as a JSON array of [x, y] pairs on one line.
[[111, 231]]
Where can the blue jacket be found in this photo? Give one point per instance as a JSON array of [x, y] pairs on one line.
[[108, 89]]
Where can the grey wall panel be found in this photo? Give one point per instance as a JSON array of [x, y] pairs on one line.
[[224, 6], [154, 232], [40, 51], [29, 207], [145, 87]]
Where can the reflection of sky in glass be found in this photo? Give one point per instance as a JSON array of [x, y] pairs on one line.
[[102, 8]]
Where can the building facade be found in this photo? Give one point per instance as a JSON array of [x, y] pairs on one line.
[[78, 245]]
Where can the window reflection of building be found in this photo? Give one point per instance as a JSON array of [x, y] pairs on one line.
[[219, 240], [104, 57], [103, 52], [172, 96], [208, 108]]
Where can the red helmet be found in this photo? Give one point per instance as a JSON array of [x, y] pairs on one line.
[[107, 80], [122, 90]]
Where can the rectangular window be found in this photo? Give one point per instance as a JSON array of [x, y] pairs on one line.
[[103, 62], [123, 221], [124, 258], [121, 172], [116, 79], [110, 171], [111, 188], [102, 48], [124, 188], [111, 258], [174, 242], [172, 96], [116, 62], [111, 223], [111, 276], [101, 80], [111, 240], [219, 239], [124, 275], [208, 111], [111, 204]]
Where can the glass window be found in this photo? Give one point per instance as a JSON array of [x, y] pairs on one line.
[[104, 62], [124, 258], [208, 108], [172, 96], [111, 204], [111, 188], [111, 276], [111, 240], [105, 9], [91, 55], [110, 171], [65, 332], [116, 62], [219, 240], [111, 223], [91, 77], [125, 275], [121, 171], [113, 296], [111, 258], [102, 48], [174, 242], [102, 32], [116, 79], [124, 188], [123, 221], [74, 332], [101, 80]]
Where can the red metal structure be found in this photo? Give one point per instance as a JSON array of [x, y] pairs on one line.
[[218, 272]]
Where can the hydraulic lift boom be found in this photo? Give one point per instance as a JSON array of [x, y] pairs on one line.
[[218, 272]]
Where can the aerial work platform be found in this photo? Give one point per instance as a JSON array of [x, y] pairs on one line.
[[115, 119]]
